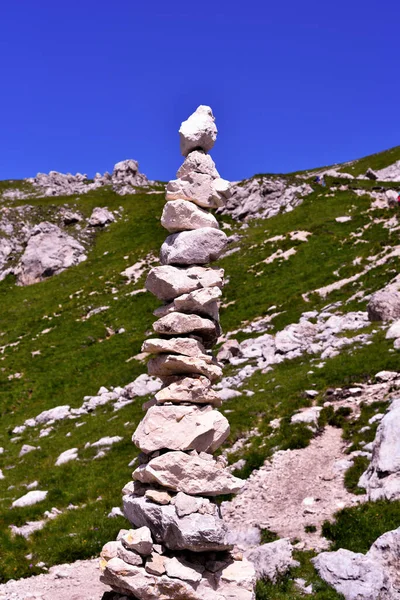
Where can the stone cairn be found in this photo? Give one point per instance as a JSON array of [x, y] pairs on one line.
[[179, 548]]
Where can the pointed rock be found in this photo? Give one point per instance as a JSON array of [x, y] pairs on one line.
[[198, 131], [199, 162]]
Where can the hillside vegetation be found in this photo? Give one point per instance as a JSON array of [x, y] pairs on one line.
[[51, 355]]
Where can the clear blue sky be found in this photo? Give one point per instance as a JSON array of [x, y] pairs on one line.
[[292, 84]]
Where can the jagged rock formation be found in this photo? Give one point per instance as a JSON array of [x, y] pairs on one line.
[[370, 576], [49, 251], [382, 478], [180, 549], [264, 197], [124, 179]]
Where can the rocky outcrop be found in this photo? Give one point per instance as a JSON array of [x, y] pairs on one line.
[[364, 576], [172, 496], [125, 179], [382, 478], [49, 251], [390, 173], [384, 305], [264, 197]]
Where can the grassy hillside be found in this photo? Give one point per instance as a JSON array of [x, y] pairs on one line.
[[78, 356]]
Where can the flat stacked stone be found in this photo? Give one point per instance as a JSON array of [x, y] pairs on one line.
[[179, 548]]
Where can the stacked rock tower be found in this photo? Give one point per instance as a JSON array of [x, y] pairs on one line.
[[179, 548]]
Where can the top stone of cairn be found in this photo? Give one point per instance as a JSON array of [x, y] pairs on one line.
[[198, 131]]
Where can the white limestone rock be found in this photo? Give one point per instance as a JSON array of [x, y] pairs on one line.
[[67, 456], [185, 346], [165, 365], [168, 282], [384, 305], [394, 331], [201, 189], [198, 131], [32, 497], [181, 324], [272, 560], [364, 576], [194, 474], [199, 162], [180, 427], [139, 540], [195, 532], [49, 251], [155, 564], [203, 302], [382, 477], [181, 215], [189, 389], [101, 217], [135, 581], [197, 247], [183, 570]]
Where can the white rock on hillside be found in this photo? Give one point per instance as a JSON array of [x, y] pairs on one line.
[[272, 560], [67, 456], [165, 365], [100, 217], [198, 131], [382, 478], [185, 346], [364, 577], [29, 499], [49, 251], [168, 282]]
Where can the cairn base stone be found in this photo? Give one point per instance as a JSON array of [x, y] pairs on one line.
[[195, 532]]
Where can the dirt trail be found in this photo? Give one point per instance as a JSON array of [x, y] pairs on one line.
[[297, 488], [77, 581]]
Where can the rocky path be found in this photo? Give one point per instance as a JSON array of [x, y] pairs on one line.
[[77, 581], [297, 488]]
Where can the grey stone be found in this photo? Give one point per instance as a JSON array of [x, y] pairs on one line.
[[272, 560], [178, 323], [101, 217], [197, 247], [382, 477], [384, 305], [195, 532]]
